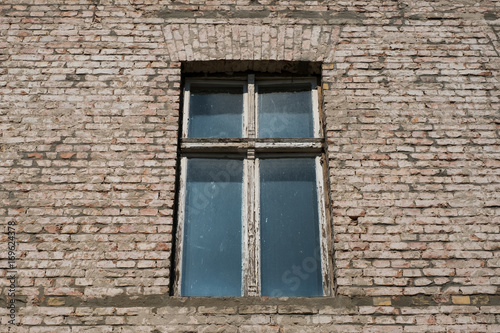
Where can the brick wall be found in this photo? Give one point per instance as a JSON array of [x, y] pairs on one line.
[[89, 109]]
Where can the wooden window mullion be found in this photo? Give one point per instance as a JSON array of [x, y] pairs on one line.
[[251, 106], [251, 273]]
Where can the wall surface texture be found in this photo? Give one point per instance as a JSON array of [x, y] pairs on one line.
[[89, 124]]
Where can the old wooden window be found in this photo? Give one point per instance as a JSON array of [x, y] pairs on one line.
[[252, 211]]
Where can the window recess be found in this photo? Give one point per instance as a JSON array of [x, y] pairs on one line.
[[252, 217]]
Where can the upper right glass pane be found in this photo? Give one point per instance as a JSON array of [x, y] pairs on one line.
[[285, 111]]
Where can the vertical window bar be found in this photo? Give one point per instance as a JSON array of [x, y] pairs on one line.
[[246, 229], [316, 110], [180, 228], [251, 284], [246, 111], [256, 221], [252, 240], [251, 106], [185, 113], [323, 227]]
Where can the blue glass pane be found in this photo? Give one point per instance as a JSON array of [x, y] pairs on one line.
[[289, 224], [215, 112], [285, 111], [211, 256]]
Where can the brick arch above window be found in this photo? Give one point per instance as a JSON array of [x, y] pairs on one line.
[[202, 42]]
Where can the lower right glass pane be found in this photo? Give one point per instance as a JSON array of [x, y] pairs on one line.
[[289, 226]]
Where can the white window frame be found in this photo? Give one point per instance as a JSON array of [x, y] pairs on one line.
[[251, 148]]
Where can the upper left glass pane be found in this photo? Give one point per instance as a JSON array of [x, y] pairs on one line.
[[215, 111]]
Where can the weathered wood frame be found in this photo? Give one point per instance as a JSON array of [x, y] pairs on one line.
[[250, 148]]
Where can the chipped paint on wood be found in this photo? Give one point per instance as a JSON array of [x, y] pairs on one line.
[[180, 227]]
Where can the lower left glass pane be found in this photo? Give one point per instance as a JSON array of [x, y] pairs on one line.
[[211, 254]]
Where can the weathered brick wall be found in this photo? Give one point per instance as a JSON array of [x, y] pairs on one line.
[[89, 108]]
